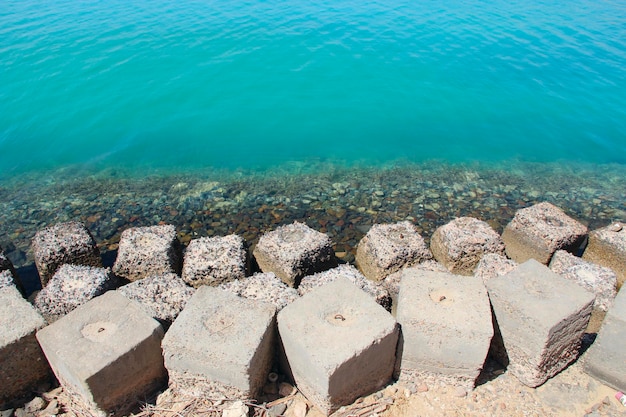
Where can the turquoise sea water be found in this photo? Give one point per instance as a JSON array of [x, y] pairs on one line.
[[238, 116], [165, 84]]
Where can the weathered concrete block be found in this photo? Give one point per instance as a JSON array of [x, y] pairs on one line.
[[8, 275], [461, 243], [386, 248], [392, 282], [22, 363], [607, 247], [594, 278], [221, 344], [215, 260], [162, 297], [493, 265], [606, 358], [106, 354], [71, 286], [446, 325], [375, 289], [339, 344], [293, 251], [541, 317], [146, 251], [63, 243], [536, 232], [264, 287]]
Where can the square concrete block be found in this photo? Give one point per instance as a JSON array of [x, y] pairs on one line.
[[22, 363], [386, 248], [71, 286], [106, 354], [446, 326], [607, 247], [375, 289], [538, 231], [215, 260], [163, 296], [293, 251], [146, 251], [221, 344], [541, 317], [460, 244], [493, 265], [606, 358], [8, 275], [264, 287], [339, 344], [63, 243], [596, 279]]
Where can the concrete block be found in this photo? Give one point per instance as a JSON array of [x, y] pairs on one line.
[[70, 287], [293, 251], [392, 282], [221, 344], [375, 289], [446, 326], [162, 297], [541, 317], [607, 247], [594, 278], [339, 344], [215, 260], [264, 287], [460, 244], [493, 265], [146, 251], [22, 363], [386, 248], [8, 275], [63, 243], [106, 354], [605, 360], [538, 231]]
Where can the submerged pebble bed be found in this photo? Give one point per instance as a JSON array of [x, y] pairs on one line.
[[342, 202]]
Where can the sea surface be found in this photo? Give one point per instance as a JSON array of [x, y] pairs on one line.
[[257, 103]]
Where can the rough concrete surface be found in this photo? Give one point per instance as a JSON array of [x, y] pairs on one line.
[[460, 244], [607, 247], [223, 342], [6, 279], [22, 364], [293, 251], [146, 251], [162, 296], [392, 282], [7, 267], [386, 248], [446, 325], [374, 289], [541, 318], [493, 265], [536, 232], [339, 344], [606, 358], [215, 260], [71, 286], [597, 279], [63, 243], [264, 287], [106, 353]]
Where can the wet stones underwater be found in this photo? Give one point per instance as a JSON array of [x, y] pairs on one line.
[[341, 202]]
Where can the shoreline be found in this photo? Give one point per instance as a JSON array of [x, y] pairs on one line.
[[340, 201]]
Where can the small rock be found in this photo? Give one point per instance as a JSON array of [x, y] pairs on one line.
[[51, 410], [277, 410], [236, 409], [616, 227], [422, 388], [51, 395], [298, 409], [6, 413], [285, 389], [35, 404]]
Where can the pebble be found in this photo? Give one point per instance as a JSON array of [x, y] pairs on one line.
[[460, 392], [35, 404], [277, 410], [285, 389]]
